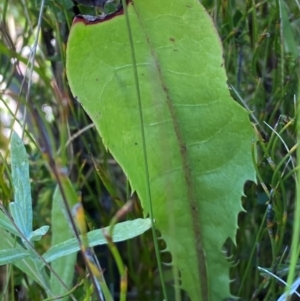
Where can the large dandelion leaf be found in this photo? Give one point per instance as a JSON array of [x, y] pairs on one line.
[[198, 139]]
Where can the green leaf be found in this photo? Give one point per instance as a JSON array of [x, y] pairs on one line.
[[290, 44], [61, 231], [122, 231], [6, 224], [21, 211], [198, 139], [11, 255], [37, 234], [26, 265], [21, 208]]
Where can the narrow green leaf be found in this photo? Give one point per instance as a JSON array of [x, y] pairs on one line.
[[26, 265], [11, 255], [105, 179], [21, 211], [290, 44], [21, 208], [61, 231], [39, 233], [122, 231], [198, 139], [6, 224]]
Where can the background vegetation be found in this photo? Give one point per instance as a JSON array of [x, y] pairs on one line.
[[261, 52]]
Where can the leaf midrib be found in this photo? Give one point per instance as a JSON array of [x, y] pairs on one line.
[[193, 206]]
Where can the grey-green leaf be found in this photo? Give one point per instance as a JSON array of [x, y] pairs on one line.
[[38, 233], [122, 231], [25, 264], [21, 209], [11, 255], [61, 231], [6, 224]]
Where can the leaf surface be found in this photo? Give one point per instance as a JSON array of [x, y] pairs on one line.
[[61, 231], [6, 224], [21, 208], [28, 265], [122, 231], [198, 140], [11, 255]]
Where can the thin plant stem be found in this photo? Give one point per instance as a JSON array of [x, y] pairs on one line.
[[141, 116], [296, 229]]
